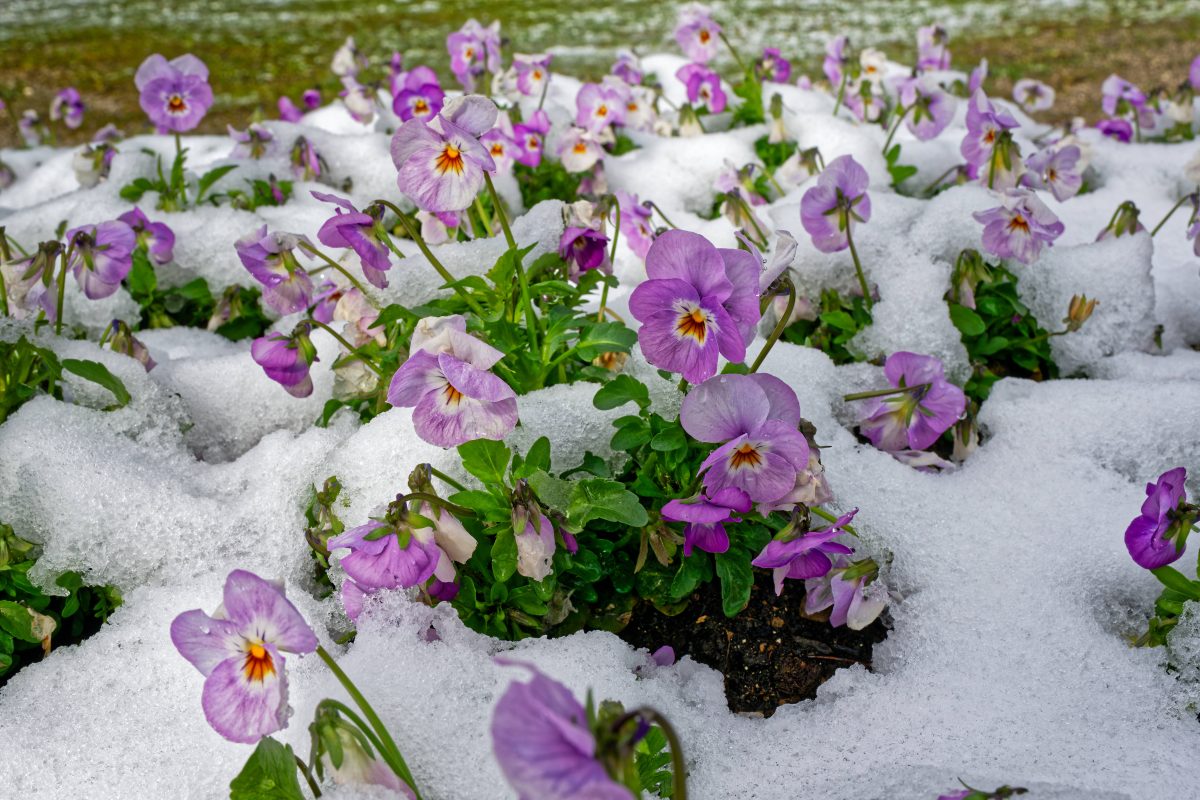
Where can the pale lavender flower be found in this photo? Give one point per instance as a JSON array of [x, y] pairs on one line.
[[535, 544], [703, 87], [1119, 97], [830, 209], [286, 360], [287, 109], [359, 100], [915, 418], [1019, 227], [579, 150], [636, 225], [156, 237], [977, 77], [174, 94], [697, 34], [1032, 95], [808, 555], [598, 106], [1159, 534], [773, 66], [987, 125], [930, 109], [932, 50], [101, 256], [271, 259], [836, 60], [91, 164], [627, 67], [388, 554], [856, 600], [441, 164], [473, 50], [29, 126], [360, 232], [67, 106], [1055, 169], [501, 143], [533, 72], [706, 516], [239, 651]]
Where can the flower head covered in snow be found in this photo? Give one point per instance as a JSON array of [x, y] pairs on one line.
[[287, 358], [441, 164], [921, 406], [1019, 227], [348, 60], [239, 651], [174, 94], [474, 50], [271, 259], [362, 232], [1056, 169], [801, 554], [927, 109], [988, 145], [697, 34], [67, 106], [418, 95], [698, 301], [446, 381], [101, 256], [91, 164], [850, 590], [1159, 534], [755, 419], [360, 101], [932, 50], [1032, 95], [772, 66], [703, 87], [358, 763], [156, 237]]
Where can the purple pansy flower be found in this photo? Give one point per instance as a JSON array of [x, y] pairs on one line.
[[541, 740], [311, 98], [635, 223], [830, 209], [855, 602], [703, 87], [836, 60], [1119, 129], [474, 49], [986, 123], [1159, 534], [270, 258], [627, 67], [379, 560], [419, 95], [579, 150], [1032, 95], [706, 516], [501, 143], [101, 257], [441, 164], [597, 106], [929, 109], [916, 418], [1019, 227], [584, 248], [446, 382], [698, 300], [360, 232], [68, 106], [932, 52], [530, 137], [1119, 97], [773, 66], [175, 94], [287, 109], [533, 72], [286, 360], [697, 34], [977, 77], [158, 239], [755, 419], [1055, 169], [239, 651], [809, 555]]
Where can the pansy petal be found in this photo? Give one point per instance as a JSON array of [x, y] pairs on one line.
[[242, 708], [259, 606]]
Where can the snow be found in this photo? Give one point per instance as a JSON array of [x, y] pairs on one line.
[[1014, 600]]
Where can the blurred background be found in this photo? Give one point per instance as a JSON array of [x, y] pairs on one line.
[[259, 49]]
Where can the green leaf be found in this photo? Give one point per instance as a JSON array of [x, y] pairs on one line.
[[600, 498], [966, 320], [486, 460], [605, 337], [536, 460], [1174, 579], [504, 554], [142, 280], [619, 391], [269, 774], [553, 492], [673, 438], [631, 435], [98, 373], [16, 620], [737, 577], [212, 176]]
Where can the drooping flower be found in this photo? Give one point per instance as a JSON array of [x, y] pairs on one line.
[[599, 106], [435, 228], [836, 61], [535, 543], [584, 248], [697, 34], [446, 382], [156, 237], [29, 282], [830, 209], [542, 742], [636, 227], [270, 257], [1124, 222], [850, 589], [359, 100], [706, 516], [703, 87], [120, 339], [1159, 534], [441, 164], [698, 301], [101, 256], [915, 418], [286, 359], [418, 95], [1032, 95], [579, 150], [1055, 169], [930, 109], [67, 106], [533, 72], [755, 419], [1120, 98], [393, 553], [773, 66], [239, 651], [808, 555], [175, 94], [865, 100], [254, 142], [1019, 227], [359, 231], [91, 164], [932, 51], [627, 67]]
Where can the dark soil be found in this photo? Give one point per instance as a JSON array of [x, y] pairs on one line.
[[770, 654]]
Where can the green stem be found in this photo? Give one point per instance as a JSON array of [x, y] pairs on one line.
[[929, 189], [903, 113], [483, 216], [1137, 127], [312, 784], [733, 51], [841, 91], [500, 213], [778, 330], [432, 259], [389, 751], [531, 320], [353, 350], [434, 500], [612, 260], [311, 250], [62, 291], [5, 257], [992, 167], [661, 214], [343, 709], [678, 766], [884, 392], [437, 473], [1157, 227], [862, 279]]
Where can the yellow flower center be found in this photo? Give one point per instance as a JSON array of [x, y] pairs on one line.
[[450, 159], [1018, 223], [258, 663], [693, 323], [580, 148], [421, 107], [704, 36], [451, 395], [745, 456], [176, 104]]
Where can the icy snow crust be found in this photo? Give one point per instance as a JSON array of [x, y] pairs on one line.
[[1013, 595]]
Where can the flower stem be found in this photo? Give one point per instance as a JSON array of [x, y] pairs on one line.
[[1157, 227], [432, 259], [841, 92], [500, 213], [5, 257], [733, 51], [437, 473], [483, 217], [311, 250], [678, 766], [778, 330], [903, 113], [353, 350], [885, 392], [531, 321], [654, 205], [929, 189], [390, 753], [432, 499], [862, 279], [612, 259], [62, 290], [304, 770]]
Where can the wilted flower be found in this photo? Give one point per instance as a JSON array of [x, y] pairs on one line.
[[101, 256], [1056, 169], [932, 52], [441, 164], [706, 516], [698, 300], [1079, 310], [1159, 535], [91, 164], [1032, 95], [703, 87], [67, 106], [122, 340], [174, 94], [271, 259], [287, 359], [446, 382], [156, 237], [1019, 227], [755, 418], [1125, 221], [830, 209], [254, 142], [435, 228], [916, 417], [851, 590], [697, 33], [802, 556], [361, 232], [239, 651]]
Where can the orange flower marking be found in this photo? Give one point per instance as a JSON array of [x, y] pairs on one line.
[[258, 663], [745, 456], [497, 148], [452, 396], [602, 111], [450, 159], [1018, 223], [421, 107], [580, 148], [704, 36], [693, 323], [176, 104]]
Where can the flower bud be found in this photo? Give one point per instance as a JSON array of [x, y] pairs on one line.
[[1078, 312]]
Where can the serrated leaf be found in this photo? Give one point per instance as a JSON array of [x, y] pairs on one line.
[[98, 373], [269, 774]]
